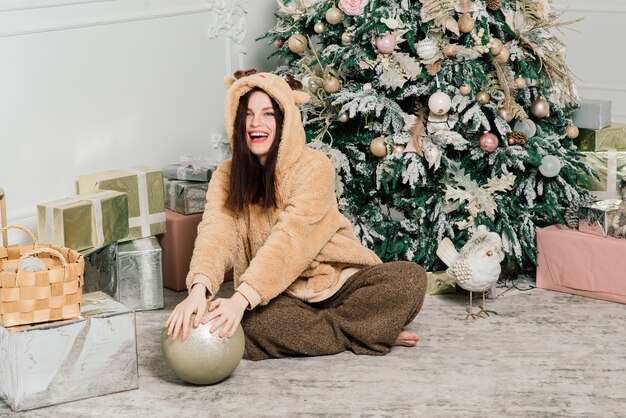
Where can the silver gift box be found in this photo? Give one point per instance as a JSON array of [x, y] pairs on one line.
[[592, 114], [140, 274], [186, 197], [101, 271], [597, 218], [58, 362], [182, 171]]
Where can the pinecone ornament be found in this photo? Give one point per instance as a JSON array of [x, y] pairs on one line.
[[520, 138], [571, 213], [493, 5]]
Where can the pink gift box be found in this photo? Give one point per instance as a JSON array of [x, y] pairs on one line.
[[581, 264]]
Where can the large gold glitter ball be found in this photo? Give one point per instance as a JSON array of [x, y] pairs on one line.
[[204, 358], [334, 15], [503, 56], [378, 146], [297, 43], [540, 108]]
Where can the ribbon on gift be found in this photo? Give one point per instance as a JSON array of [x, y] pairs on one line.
[[611, 178], [145, 218], [196, 163], [96, 204]]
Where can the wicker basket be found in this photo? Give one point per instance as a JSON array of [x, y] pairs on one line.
[[29, 297]]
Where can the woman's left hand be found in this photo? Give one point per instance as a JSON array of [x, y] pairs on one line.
[[228, 313]]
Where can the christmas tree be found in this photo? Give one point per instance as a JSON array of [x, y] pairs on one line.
[[440, 115]]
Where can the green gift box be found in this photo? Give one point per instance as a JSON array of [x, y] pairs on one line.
[[439, 283], [84, 221], [185, 197], [146, 201], [610, 166], [611, 137]]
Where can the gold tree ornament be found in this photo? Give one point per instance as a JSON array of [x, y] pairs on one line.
[[297, 43], [496, 46], [346, 38], [571, 132], [503, 56], [334, 15], [466, 23], [450, 50], [540, 108], [483, 97], [331, 84], [506, 114], [520, 83], [465, 89], [378, 147], [343, 117], [319, 27]]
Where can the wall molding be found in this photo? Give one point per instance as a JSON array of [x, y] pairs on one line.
[[602, 87], [19, 5], [589, 9], [112, 20]]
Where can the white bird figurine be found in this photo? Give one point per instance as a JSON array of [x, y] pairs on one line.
[[477, 266]]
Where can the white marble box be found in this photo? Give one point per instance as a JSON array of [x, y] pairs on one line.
[[52, 363]]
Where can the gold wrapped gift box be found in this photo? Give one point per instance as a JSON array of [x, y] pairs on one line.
[[146, 200], [84, 221], [611, 137], [439, 283], [610, 166]]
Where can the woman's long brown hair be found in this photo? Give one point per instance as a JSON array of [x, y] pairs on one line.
[[251, 182]]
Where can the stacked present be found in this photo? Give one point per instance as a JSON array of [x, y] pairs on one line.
[[112, 207], [186, 185], [604, 147]]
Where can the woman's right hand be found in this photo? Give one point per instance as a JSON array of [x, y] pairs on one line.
[[180, 317]]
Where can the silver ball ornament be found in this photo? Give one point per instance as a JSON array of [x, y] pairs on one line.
[[204, 358], [540, 108], [32, 264], [550, 166], [526, 126], [439, 103]]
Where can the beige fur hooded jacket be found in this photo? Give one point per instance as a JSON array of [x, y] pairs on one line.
[[301, 247]]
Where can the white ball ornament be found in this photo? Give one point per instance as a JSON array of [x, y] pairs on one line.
[[550, 166], [526, 126], [426, 49], [439, 103]]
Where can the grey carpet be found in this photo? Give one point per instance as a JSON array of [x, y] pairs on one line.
[[546, 354]]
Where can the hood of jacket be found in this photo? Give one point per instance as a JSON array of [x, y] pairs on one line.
[[293, 137]]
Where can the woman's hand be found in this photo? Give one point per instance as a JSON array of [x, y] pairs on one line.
[[228, 314], [180, 317]]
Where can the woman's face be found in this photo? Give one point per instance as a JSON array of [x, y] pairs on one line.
[[260, 125]]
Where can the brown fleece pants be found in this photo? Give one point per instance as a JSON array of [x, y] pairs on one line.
[[365, 316]]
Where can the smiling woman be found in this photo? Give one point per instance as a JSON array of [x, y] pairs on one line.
[[260, 125]]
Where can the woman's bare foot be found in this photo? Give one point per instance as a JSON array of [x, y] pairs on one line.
[[407, 339]]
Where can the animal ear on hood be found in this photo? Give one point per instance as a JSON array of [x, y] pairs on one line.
[[228, 81], [300, 97]]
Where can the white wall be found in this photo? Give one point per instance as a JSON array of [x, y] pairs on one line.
[[90, 85]]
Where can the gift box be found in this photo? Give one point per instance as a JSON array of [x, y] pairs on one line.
[[53, 363], [146, 202], [597, 218], [101, 271], [84, 221], [189, 168], [610, 166], [177, 245], [186, 197], [611, 137], [140, 274], [592, 114], [439, 283], [581, 264]]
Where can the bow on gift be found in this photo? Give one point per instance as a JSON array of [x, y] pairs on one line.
[[196, 163]]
